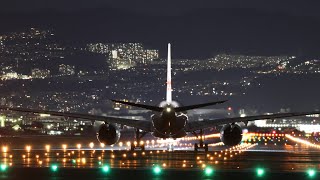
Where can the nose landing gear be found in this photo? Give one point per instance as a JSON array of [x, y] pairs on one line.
[[138, 145], [201, 146]]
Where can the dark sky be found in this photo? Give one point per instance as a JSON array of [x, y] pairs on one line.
[[196, 28]]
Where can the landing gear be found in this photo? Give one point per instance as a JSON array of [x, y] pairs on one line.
[[138, 145], [201, 145]]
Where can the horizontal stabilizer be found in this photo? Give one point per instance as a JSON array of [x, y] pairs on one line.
[[153, 108], [186, 108]]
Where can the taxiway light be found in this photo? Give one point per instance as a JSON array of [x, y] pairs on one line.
[[105, 169], [311, 173], [3, 167], [208, 171], [157, 169], [260, 172], [54, 168]]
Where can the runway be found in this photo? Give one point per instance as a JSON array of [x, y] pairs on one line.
[[70, 160]]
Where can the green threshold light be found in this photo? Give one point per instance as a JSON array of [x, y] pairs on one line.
[[3, 167], [54, 168], [260, 172], [208, 171], [157, 169], [105, 168], [311, 173]]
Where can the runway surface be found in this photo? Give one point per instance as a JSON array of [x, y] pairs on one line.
[[68, 158]]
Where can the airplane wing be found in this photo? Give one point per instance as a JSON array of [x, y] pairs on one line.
[[143, 125], [207, 123]]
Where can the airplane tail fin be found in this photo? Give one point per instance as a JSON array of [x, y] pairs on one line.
[[169, 87], [169, 94]]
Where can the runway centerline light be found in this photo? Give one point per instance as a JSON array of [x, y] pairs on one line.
[[208, 171], [311, 172], [260, 172], [157, 169]]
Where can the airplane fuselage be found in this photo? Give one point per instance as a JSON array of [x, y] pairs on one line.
[[169, 124]]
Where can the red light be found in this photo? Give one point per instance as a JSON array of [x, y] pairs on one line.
[[273, 132], [229, 108]]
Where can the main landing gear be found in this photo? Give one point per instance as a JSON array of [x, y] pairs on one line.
[[201, 145], [138, 145]]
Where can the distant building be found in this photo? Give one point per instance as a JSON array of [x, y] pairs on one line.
[[10, 75], [124, 55], [40, 73], [66, 70]]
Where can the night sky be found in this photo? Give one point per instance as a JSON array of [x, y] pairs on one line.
[[196, 28]]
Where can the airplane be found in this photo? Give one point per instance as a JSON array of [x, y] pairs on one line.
[[169, 120]]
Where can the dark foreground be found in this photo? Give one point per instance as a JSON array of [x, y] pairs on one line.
[[95, 173]]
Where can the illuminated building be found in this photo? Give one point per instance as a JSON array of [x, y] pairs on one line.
[[40, 73], [124, 55], [66, 70], [11, 75]]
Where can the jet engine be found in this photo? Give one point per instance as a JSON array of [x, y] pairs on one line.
[[108, 134], [231, 134]]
